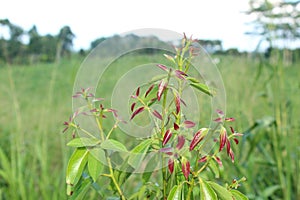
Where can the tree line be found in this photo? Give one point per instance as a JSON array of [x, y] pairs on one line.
[[51, 48], [40, 48], [276, 24]]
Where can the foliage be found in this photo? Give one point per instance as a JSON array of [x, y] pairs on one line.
[[175, 147], [43, 155], [211, 46], [39, 49], [279, 20]]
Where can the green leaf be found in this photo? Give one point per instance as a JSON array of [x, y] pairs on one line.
[[222, 192], [158, 77], [270, 190], [238, 195], [81, 189], [171, 58], [214, 168], [138, 153], [123, 173], [192, 79], [146, 176], [202, 87], [95, 167], [99, 154], [6, 171], [174, 193], [150, 96], [76, 165], [83, 142], [114, 145], [206, 192], [142, 192]]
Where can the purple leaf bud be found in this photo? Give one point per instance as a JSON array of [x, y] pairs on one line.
[[137, 111], [181, 141], [167, 137]]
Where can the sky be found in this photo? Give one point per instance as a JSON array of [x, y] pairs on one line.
[[92, 19]]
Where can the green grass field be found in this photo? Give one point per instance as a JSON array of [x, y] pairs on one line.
[[36, 100]]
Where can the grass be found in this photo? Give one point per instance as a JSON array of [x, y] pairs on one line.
[[35, 100]]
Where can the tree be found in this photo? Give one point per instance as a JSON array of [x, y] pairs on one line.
[[12, 47], [49, 48], [211, 46], [96, 42], [65, 42], [35, 45], [276, 21]]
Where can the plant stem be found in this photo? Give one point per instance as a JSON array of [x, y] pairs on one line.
[[99, 123], [190, 191], [111, 171], [164, 111]]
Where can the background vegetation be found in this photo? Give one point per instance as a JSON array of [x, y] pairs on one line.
[[263, 90]]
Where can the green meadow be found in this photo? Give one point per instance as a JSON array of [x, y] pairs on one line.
[[263, 98]]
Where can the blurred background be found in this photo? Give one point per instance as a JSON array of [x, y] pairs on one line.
[[255, 44]]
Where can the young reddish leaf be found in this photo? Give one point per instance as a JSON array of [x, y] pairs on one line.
[[152, 101], [236, 140], [114, 111], [167, 137], [176, 127], [198, 137], [101, 106], [177, 103], [194, 51], [171, 165], [238, 134], [231, 155], [189, 124], [220, 113], [157, 114], [97, 99], [149, 90], [137, 93], [232, 130], [183, 102], [132, 106], [65, 129], [218, 160], [223, 138], [228, 146], [167, 150], [185, 167], [90, 95], [75, 114], [163, 67], [181, 141], [218, 119], [94, 110], [203, 159], [77, 95], [161, 87], [230, 119], [137, 111], [180, 74]]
